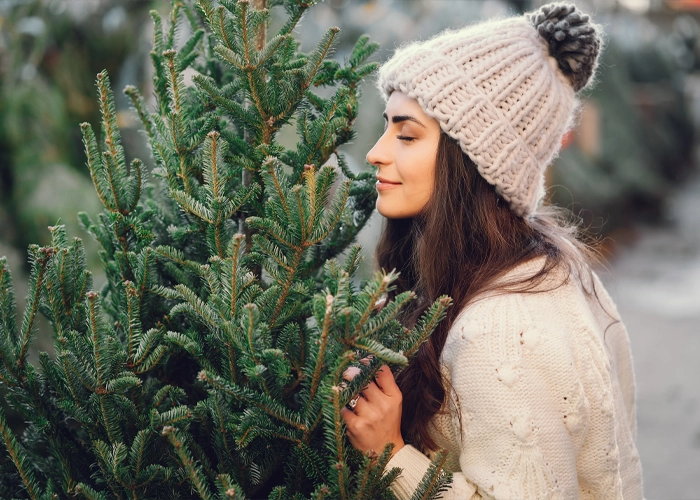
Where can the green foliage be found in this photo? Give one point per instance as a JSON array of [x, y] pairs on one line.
[[49, 59], [435, 480], [210, 363]]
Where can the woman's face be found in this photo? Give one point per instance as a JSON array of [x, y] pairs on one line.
[[405, 158]]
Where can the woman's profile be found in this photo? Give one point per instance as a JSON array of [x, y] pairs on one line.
[[528, 383]]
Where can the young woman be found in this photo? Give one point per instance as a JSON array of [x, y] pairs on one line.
[[528, 383]]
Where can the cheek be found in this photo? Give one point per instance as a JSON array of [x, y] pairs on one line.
[[417, 170]]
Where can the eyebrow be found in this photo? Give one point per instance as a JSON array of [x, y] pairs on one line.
[[403, 118]]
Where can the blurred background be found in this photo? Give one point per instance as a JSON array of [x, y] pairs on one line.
[[629, 170]]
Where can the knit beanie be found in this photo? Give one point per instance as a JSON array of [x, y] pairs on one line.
[[505, 89]]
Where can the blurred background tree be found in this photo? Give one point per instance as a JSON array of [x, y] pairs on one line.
[[49, 54]]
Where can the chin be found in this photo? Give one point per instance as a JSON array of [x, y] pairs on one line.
[[392, 212], [384, 210]]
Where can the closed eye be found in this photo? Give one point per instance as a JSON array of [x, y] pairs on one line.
[[404, 138]]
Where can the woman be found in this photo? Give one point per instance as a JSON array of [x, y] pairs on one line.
[[528, 382]]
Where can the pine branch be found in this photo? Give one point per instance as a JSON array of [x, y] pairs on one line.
[[373, 297], [173, 28], [117, 190], [193, 470], [138, 450], [323, 344], [212, 174], [173, 416], [381, 352], [40, 257], [196, 306], [435, 480], [134, 333], [140, 107], [425, 326], [188, 54], [387, 314], [115, 165], [134, 189], [88, 492], [72, 366], [176, 90], [262, 401], [378, 483], [19, 458], [149, 353], [286, 286], [8, 326], [270, 49], [192, 206], [228, 490], [8, 305], [276, 179], [365, 471], [316, 58]]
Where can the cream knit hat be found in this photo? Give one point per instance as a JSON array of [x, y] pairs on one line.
[[504, 89]]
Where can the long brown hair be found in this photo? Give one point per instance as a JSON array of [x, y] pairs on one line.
[[464, 239]]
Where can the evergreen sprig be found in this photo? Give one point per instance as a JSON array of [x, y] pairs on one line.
[[435, 480]]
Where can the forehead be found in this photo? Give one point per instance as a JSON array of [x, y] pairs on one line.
[[401, 103]]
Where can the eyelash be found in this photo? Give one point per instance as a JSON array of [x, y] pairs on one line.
[[404, 138]]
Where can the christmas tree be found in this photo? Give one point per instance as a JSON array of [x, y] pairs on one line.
[[210, 364]]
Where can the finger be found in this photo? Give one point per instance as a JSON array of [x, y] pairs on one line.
[[351, 373], [385, 380], [350, 422], [372, 392], [347, 414], [366, 360], [361, 405]]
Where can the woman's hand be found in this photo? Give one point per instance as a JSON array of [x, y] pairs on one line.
[[376, 418]]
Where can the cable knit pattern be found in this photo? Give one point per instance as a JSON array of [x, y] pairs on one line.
[[495, 88], [546, 398]]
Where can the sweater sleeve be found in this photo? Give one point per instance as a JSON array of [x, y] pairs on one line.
[[524, 408], [414, 465]]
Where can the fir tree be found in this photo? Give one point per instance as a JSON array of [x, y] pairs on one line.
[[210, 363]]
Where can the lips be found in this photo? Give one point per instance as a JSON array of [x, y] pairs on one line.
[[382, 180], [384, 184]]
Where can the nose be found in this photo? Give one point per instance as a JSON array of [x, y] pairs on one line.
[[379, 154]]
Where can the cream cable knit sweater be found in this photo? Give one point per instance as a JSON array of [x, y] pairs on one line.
[[546, 396]]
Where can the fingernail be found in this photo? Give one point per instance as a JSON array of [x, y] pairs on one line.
[[351, 372]]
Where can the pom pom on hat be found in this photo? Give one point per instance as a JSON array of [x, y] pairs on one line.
[[504, 90], [572, 40]]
